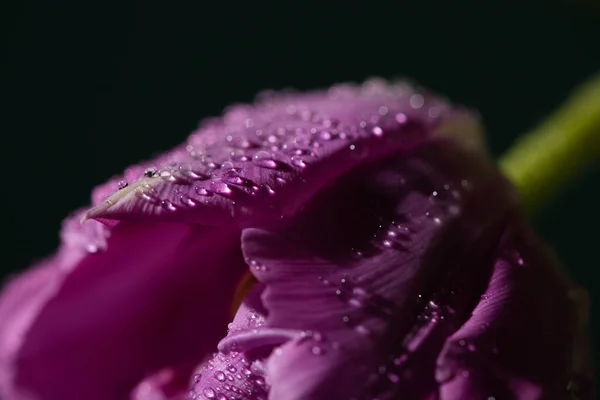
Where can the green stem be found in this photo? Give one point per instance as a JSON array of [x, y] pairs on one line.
[[546, 159]]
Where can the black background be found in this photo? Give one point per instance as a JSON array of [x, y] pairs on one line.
[[90, 88]]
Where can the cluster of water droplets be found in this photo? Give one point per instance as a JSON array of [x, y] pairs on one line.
[[229, 377], [284, 133]]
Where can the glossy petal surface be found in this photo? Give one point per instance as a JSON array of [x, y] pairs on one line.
[[93, 325], [266, 160]]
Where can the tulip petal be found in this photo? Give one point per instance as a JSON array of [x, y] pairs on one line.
[[521, 341], [264, 161], [233, 373], [130, 309], [377, 271]]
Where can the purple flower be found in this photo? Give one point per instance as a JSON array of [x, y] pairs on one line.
[[390, 257]]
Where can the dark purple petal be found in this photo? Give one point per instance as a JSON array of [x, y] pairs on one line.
[[266, 160], [380, 269], [521, 341], [93, 325]]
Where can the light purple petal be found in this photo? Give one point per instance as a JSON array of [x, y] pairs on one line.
[[264, 161], [93, 325]]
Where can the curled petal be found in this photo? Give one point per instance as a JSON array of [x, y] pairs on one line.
[[521, 341], [377, 271], [129, 307], [234, 372], [266, 160]]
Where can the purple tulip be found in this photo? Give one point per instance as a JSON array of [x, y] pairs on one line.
[[391, 260]]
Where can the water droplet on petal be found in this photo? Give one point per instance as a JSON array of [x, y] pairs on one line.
[[298, 162], [262, 155], [167, 176], [417, 101], [222, 188], [209, 393], [377, 131], [220, 376], [203, 192], [268, 188], [227, 165], [361, 329], [401, 118], [187, 201], [122, 184], [167, 205]]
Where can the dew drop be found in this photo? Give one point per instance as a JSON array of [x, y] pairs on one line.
[[221, 396], [434, 112], [167, 205], [227, 165], [316, 350], [231, 368], [262, 155], [149, 172], [355, 302], [192, 395], [122, 184], [186, 171], [387, 243], [196, 378], [187, 201], [268, 188], [222, 188], [361, 329], [377, 131], [209, 393], [147, 196], [220, 376], [401, 118], [325, 135], [417, 101], [167, 176], [298, 162], [203, 192]]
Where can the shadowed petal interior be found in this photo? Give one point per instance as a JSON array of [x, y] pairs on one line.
[[131, 308]]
